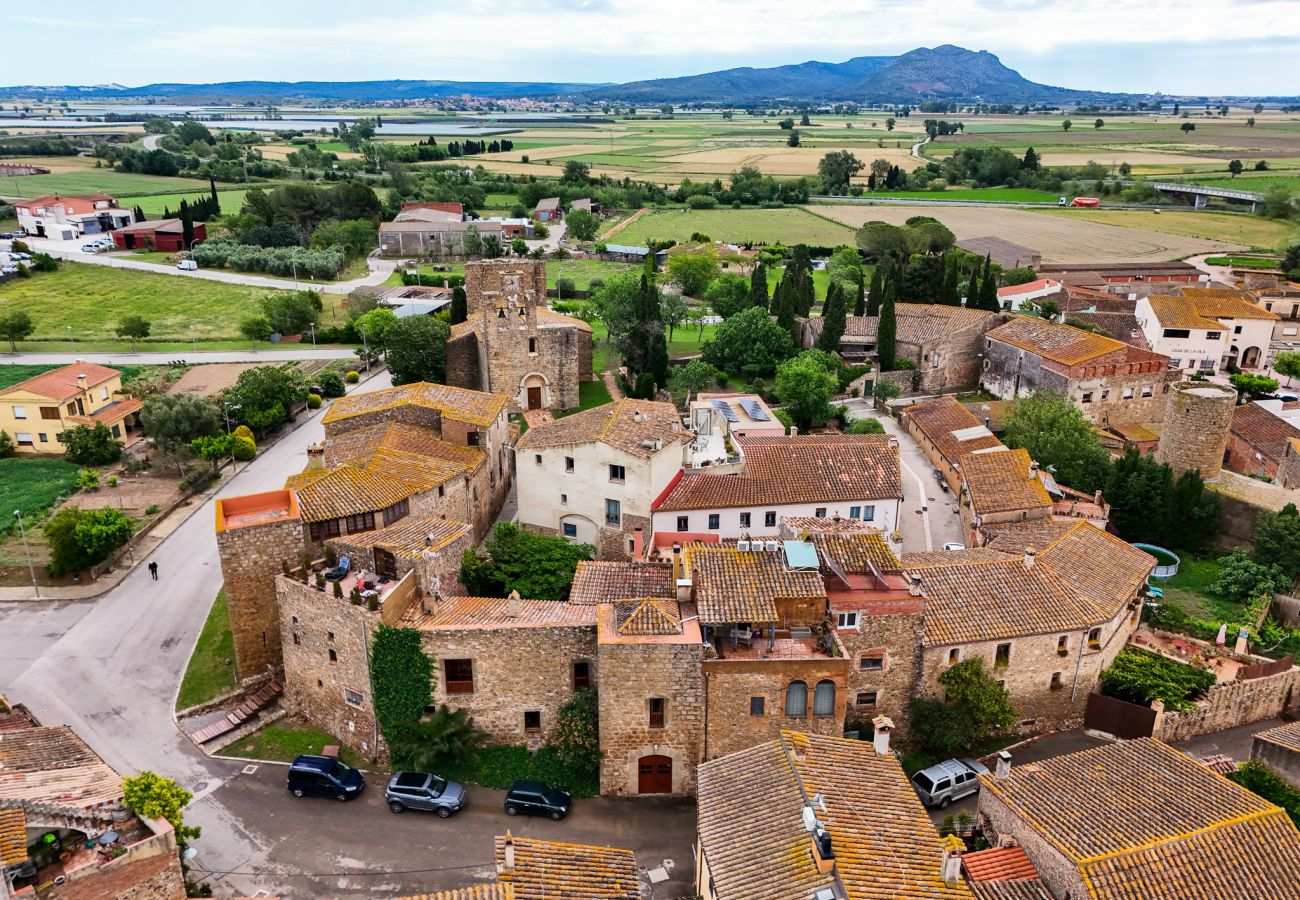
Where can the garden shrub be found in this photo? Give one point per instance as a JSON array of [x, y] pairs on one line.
[[331, 384], [242, 448], [313, 401], [1140, 676], [354, 376]]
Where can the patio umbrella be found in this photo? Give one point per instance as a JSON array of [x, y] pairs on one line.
[[1222, 637]]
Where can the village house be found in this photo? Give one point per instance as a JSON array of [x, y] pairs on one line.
[[548, 210], [946, 431], [422, 232], [1259, 437], [1002, 486], [1013, 297], [163, 235], [852, 476], [1279, 749], [818, 817], [732, 415], [1158, 824], [1206, 329], [1112, 383], [512, 343], [590, 477], [1284, 301], [36, 412], [66, 218]]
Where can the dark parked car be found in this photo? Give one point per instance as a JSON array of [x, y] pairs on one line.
[[532, 798], [324, 776], [420, 790]]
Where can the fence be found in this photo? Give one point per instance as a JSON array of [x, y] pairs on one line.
[[1264, 670], [1118, 717]]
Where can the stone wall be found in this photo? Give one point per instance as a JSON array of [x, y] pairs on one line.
[[630, 675], [463, 363], [1283, 761], [729, 686], [516, 670], [251, 559], [407, 413], [149, 870], [953, 361], [1196, 426], [1241, 456], [1233, 704], [1288, 470], [312, 625], [1057, 872], [896, 639]]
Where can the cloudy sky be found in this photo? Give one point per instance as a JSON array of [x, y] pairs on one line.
[[1175, 46]]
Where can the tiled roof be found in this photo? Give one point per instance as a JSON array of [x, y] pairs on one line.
[[166, 226], [940, 418], [624, 425], [920, 323], [827, 525], [752, 834], [1010, 890], [61, 384], [1028, 287], [1287, 736], [493, 891], [999, 864], [1014, 537], [360, 444], [460, 404], [113, 412], [608, 582], [647, 617], [551, 870], [1063, 344], [1003, 481], [455, 613], [1227, 302], [51, 199], [856, 553], [53, 765], [411, 536], [13, 836], [731, 586], [1263, 430], [1204, 308], [344, 491], [1141, 820], [787, 470]]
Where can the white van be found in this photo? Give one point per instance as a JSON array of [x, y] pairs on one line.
[[187, 265]]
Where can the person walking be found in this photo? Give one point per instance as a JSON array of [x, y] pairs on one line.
[[153, 571]]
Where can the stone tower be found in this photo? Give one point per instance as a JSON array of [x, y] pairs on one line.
[[1195, 430]]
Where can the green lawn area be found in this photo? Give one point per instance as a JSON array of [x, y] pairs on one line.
[[1266, 235], [286, 740], [212, 667], [759, 226], [34, 486], [590, 395], [12, 373], [686, 339], [1243, 262], [1190, 589], [579, 271], [91, 299], [122, 185], [160, 257], [154, 204], [1001, 195]]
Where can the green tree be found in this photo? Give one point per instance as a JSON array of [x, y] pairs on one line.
[[783, 304], [793, 139], [1288, 364], [15, 326], [256, 328], [173, 420], [868, 425], [834, 318], [1242, 579], [1235, 167], [1031, 162], [694, 377], [290, 312], [459, 305], [758, 291], [401, 677], [1277, 202], [417, 349], [1187, 127], [1098, 123], [1259, 779], [805, 385], [133, 327], [1194, 513], [1139, 489], [693, 272], [1140, 676], [377, 323], [728, 295], [101, 531], [673, 310], [89, 445], [214, 448], [151, 796], [975, 707], [845, 266], [837, 169], [79, 538], [7, 447], [1066, 125], [1054, 432], [876, 292], [1277, 540], [1253, 386], [887, 331], [582, 224], [576, 735], [538, 566], [860, 306], [749, 343], [266, 394], [445, 737]]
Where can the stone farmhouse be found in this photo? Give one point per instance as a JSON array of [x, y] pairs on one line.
[[37, 411], [815, 817], [590, 477], [1002, 486], [946, 431], [1158, 824], [513, 344], [1112, 382], [434, 229], [1206, 329]]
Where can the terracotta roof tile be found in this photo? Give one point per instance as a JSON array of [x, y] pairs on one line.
[[1283, 735], [455, 613], [624, 425], [13, 836], [360, 444], [731, 586], [1139, 820], [918, 323], [345, 491], [113, 412], [1098, 566], [999, 864], [61, 384], [1266, 432], [752, 833], [1015, 537], [550, 870], [1064, 344], [855, 553], [945, 423], [411, 536], [53, 765], [1004, 481], [647, 617], [608, 582], [460, 404], [1010, 890], [493, 891]]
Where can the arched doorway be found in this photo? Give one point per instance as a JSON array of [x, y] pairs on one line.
[[534, 392], [654, 775], [1250, 358]]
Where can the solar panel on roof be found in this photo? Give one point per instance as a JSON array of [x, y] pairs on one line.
[[755, 410], [724, 407]]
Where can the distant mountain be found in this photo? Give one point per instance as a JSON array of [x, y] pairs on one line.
[[804, 80], [950, 72], [279, 91]]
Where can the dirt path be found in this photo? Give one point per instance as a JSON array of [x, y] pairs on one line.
[[611, 384], [626, 222]]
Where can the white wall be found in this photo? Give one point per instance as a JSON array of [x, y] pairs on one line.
[[1189, 351], [729, 522], [1254, 333]]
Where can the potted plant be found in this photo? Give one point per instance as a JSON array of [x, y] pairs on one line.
[[320, 582]]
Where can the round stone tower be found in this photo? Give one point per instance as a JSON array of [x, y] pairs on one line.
[[1195, 431]]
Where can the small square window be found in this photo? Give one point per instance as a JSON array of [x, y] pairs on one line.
[[533, 720], [715, 521], [1128, 393], [869, 513], [537, 458], [744, 520], [1086, 398], [296, 642], [1105, 395], [1094, 639], [954, 656], [757, 705], [847, 619], [683, 523], [570, 530], [658, 709], [855, 512], [866, 698], [769, 519], [617, 473], [329, 635], [821, 512], [869, 663], [352, 698], [581, 674]]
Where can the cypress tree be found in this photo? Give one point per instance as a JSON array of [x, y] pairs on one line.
[[833, 318], [459, 305], [860, 308], [656, 344], [988, 297], [973, 289], [187, 226], [212, 185], [138, 212], [877, 292], [887, 333], [950, 294], [784, 305], [758, 295]]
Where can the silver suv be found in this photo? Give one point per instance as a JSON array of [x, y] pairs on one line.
[[949, 780], [420, 790]]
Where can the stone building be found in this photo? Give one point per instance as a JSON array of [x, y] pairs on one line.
[[529, 868], [422, 234], [946, 431], [1279, 749], [590, 477], [512, 343], [1195, 431], [1258, 439], [1112, 383]]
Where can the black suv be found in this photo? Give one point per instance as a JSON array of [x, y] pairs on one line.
[[533, 798], [324, 776]]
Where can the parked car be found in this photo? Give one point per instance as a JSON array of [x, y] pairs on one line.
[[422, 790], [947, 781], [943, 482], [533, 798], [953, 545], [187, 265], [324, 776], [89, 248]]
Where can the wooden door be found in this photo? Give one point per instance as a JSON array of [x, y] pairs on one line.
[[655, 775], [534, 398], [385, 564]]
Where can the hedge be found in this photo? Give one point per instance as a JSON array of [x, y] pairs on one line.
[[220, 253], [1140, 676]]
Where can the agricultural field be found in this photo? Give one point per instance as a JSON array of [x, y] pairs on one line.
[[77, 175], [1064, 236], [12, 373], [741, 226], [1239, 229], [91, 299], [580, 271]]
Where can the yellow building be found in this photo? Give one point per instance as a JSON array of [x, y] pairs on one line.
[[36, 412]]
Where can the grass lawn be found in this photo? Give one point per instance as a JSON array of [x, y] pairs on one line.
[[590, 395], [759, 226], [1002, 195], [154, 204], [12, 373], [1257, 232], [579, 271], [286, 740], [91, 299], [1190, 589], [686, 339], [161, 257], [212, 667], [34, 486], [122, 185], [1243, 262]]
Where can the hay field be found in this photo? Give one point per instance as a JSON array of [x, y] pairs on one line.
[[790, 225], [1060, 236], [1256, 232]]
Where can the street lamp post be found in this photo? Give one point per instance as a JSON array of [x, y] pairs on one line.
[[27, 550], [193, 340], [293, 261], [312, 326], [365, 342], [122, 508], [226, 408], [72, 337]]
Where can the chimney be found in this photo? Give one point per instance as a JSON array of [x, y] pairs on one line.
[[1033, 470], [950, 862], [512, 605], [1096, 496], [823, 853], [800, 752], [1029, 557], [914, 588], [81, 383], [637, 547], [429, 602], [884, 727], [1002, 771], [315, 457], [506, 869]]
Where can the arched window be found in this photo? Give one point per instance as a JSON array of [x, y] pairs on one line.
[[824, 699], [796, 699], [532, 345]]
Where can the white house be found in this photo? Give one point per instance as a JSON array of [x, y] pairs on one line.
[[590, 477], [67, 218], [812, 476], [1015, 296], [1206, 328]]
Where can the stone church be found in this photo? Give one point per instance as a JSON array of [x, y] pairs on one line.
[[512, 343]]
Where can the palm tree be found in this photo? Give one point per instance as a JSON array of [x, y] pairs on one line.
[[447, 735]]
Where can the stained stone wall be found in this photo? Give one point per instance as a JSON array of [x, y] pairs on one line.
[[251, 559], [1196, 426]]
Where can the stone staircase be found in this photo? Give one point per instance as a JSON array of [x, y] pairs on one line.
[[250, 708]]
